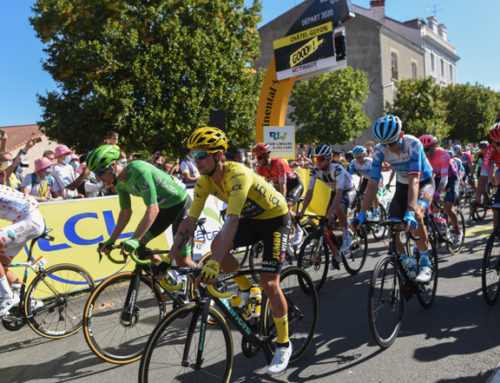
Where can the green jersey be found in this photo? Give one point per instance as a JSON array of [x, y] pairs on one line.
[[152, 184]]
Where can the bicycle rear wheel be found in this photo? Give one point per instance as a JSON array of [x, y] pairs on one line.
[[379, 231], [172, 349], [302, 301], [385, 302], [114, 331], [314, 257], [427, 291], [354, 259], [450, 230], [490, 272], [55, 299]]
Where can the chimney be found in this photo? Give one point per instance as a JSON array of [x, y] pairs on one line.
[[432, 22], [442, 32], [377, 8]]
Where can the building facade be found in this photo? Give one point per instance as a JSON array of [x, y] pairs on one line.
[[386, 49]]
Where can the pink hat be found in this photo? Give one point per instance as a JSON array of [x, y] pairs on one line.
[[75, 157], [42, 163], [62, 150]]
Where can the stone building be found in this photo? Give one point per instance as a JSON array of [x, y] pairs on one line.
[[386, 49]]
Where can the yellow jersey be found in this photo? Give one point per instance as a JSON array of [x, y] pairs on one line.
[[245, 193]]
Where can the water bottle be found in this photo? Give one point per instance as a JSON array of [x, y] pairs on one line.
[[255, 301], [182, 281], [240, 302]]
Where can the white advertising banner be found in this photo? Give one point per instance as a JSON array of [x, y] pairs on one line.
[[281, 141]]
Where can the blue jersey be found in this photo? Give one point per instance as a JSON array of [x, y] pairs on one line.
[[410, 161], [361, 168]]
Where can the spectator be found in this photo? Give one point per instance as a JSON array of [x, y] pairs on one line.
[[369, 145], [123, 158], [236, 155], [75, 164], [111, 138], [64, 174], [311, 148], [189, 171], [10, 165], [175, 170], [40, 184], [50, 155]]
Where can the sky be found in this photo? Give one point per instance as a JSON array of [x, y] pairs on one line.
[[472, 29]]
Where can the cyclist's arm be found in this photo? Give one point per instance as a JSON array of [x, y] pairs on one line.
[[147, 220], [307, 201], [183, 235], [413, 188], [122, 221], [370, 194], [339, 192]]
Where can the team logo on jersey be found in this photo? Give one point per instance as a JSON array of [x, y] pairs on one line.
[[236, 187], [11, 235]]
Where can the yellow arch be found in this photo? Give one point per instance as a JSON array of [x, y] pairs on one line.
[[274, 95]]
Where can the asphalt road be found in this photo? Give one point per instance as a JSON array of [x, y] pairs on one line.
[[456, 340]]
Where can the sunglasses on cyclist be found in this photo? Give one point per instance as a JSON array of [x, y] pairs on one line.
[[99, 173], [428, 149], [201, 154], [261, 157], [496, 143], [320, 159], [391, 144]]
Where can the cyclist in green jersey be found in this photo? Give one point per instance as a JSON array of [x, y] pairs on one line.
[[166, 200], [255, 212]]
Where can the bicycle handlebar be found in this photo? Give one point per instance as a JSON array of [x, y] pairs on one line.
[[122, 261], [211, 289]]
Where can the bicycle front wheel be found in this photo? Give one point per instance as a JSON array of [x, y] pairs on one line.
[[55, 300], [385, 302], [172, 353], [490, 273], [355, 258], [115, 330], [314, 258], [302, 301], [379, 231]]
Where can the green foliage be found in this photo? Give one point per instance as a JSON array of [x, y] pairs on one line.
[[471, 109], [419, 105], [152, 70], [328, 108]]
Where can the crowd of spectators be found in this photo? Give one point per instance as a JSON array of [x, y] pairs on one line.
[[61, 174]]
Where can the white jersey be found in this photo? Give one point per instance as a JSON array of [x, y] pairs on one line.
[[14, 205], [362, 168], [65, 175], [336, 178]]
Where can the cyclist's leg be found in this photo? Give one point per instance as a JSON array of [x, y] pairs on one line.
[[450, 199], [496, 200]]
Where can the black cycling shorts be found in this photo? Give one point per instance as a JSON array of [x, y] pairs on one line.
[[294, 190], [273, 232], [363, 186], [452, 188], [173, 215], [347, 198], [399, 203]]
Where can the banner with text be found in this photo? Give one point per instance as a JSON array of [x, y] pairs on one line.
[[281, 141]]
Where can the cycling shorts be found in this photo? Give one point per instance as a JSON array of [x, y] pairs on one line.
[[173, 215], [363, 186], [294, 190], [452, 188], [399, 203], [348, 197], [273, 232], [14, 237]]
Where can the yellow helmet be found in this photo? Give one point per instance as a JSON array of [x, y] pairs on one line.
[[208, 138]]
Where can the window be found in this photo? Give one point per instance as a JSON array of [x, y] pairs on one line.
[[451, 73], [442, 68], [394, 65], [433, 64], [413, 70]]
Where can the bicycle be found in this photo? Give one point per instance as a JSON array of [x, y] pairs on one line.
[[125, 307], [377, 230], [52, 304], [446, 234], [479, 211], [490, 270], [314, 254], [185, 346], [390, 286]]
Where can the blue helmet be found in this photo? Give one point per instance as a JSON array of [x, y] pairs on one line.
[[457, 148], [387, 128], [359, 150]]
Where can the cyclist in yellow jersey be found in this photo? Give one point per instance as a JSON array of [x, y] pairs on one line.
[[255, 212]]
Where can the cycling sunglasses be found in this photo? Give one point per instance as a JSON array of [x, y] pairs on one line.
[[99, 173], [393, 143], [428, 149], [202, 154], [320, 159], [261, 157]]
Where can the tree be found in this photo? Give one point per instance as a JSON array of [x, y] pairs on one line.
[[472, 109], [328, 108], [419, 105], [152, 70]]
